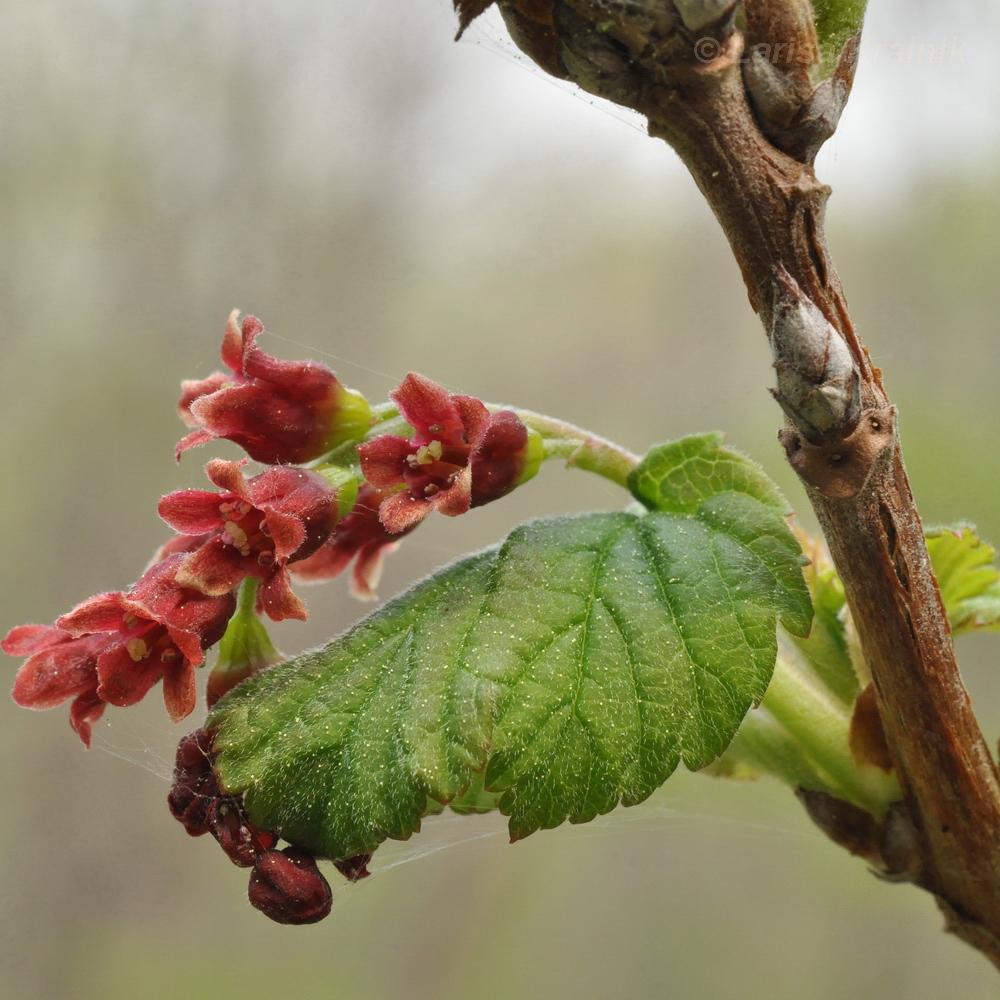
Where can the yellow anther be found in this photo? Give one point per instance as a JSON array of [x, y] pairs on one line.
[[137, 649], [426, 454], [236, 533]]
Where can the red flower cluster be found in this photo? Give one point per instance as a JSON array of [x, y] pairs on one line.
[[277, 411], [460, 456], [114, 647]]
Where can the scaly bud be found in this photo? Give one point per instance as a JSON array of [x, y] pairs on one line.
[[819, 384]]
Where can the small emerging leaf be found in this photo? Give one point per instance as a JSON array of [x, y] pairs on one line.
[[967, 576], [826, 646], [837, 21], [680, 475], [573, 667]]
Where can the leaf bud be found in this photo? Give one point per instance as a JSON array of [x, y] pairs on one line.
[[818, 380]]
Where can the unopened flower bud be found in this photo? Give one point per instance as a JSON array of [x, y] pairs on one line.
[[278, 411], [236, 834], [196, 786], [288, 887], [246, 648]]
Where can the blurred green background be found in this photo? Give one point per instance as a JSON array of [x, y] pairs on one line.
[[386, 200]]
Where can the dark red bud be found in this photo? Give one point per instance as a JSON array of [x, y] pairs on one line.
[[236, 834], [196, 785], [288, 887], [194, 754], [354, 869], [190, 809]]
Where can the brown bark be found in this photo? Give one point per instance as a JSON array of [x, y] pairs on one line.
[[771, 206]]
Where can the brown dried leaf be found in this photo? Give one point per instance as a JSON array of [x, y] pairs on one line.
[[468, 11], [867, 737]]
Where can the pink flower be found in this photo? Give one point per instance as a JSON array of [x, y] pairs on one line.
[[460, 455], [360, 536], [159, 629], [254, 527], [277, 411], [59, 667]]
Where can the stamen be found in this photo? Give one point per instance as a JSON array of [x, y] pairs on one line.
[[265, 559], [170, 654], [237, 536], [137, 649], [426, 454], [130, 621], [430, 489]]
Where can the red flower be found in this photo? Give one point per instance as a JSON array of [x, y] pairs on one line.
[[58, 668], [360, 536], [158, 629], [460, 455], [277, 411], [253, 528]]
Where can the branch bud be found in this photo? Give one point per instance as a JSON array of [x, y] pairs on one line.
[[794, 115], [819, 384]]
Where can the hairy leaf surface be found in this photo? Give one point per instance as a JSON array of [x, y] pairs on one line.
[[573, 667]]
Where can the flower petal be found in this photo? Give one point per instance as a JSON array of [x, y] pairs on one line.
[[475, 418], [276, 598], [383, 460], [179, 692], [288, 533], [86, 709], [191, 512], [214, 569], [101, 613], [457, 499], [193, 440], [423, 402], [229, 476], [122, 681], [399, 512], [192, 389]]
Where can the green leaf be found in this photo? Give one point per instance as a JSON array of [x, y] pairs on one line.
[[969, 581], [837, 21], [681, 475], [574, 667]]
